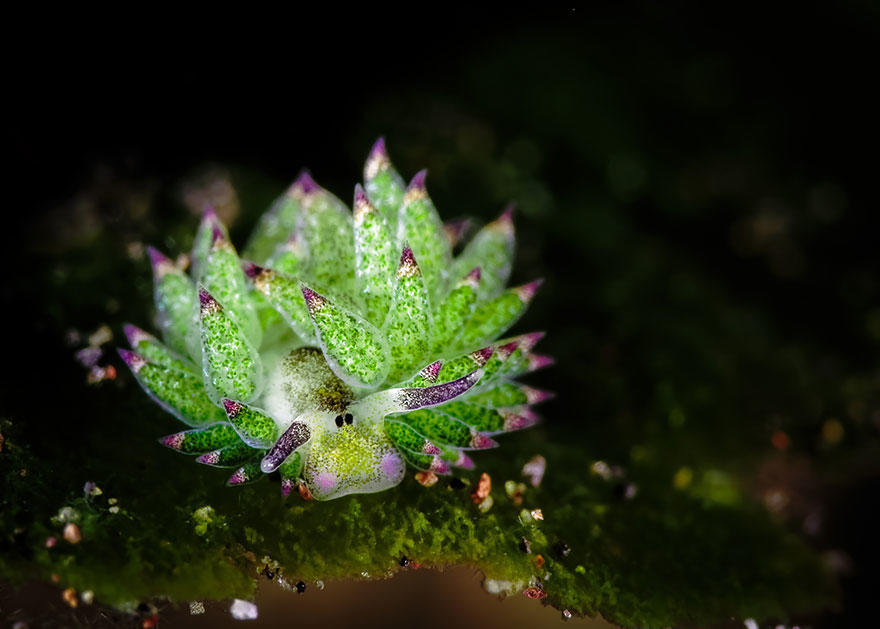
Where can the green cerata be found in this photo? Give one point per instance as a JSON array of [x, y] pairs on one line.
[[341, 346]]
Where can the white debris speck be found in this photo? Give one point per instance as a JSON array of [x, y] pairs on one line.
[[601, 469], [243, 610], [750, 623], [196, 608], [87, 597], [319, 585]]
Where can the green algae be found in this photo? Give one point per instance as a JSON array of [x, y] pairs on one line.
[[661, 557]]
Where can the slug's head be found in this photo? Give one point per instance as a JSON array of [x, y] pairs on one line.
[[351, 455], [345, 451]]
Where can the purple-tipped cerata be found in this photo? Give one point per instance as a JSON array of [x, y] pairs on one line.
[[354, 338]]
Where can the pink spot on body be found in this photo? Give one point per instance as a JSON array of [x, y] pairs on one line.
[[325, 481], [391, 465]]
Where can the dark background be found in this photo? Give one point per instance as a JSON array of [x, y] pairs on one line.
[[698, 189]]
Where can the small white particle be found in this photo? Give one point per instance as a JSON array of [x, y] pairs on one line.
[[243, 610]]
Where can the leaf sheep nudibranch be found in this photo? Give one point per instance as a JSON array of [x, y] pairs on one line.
[[345, 345]]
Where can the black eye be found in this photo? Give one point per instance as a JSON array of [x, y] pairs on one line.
[[349, 419], [339, 420]]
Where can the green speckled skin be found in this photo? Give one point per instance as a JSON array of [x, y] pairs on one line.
[[275, 226], [491, 249], [440, 427], [408, 324], [326, 226], [208, 229], [492, 318], [355, 347], [176, 301], [231, 455], [478, 417], [457, 367], [424, 462], [290, 257], [254, 426], [503, 395], [223, 278], [384, 186], [420, 226], [285, 296], [346, 345], [231, 363], [453, 313], [293, 466], [201, 440], [386, 189], [153, 351], [181, 393], [375, 259], [404, 436]]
